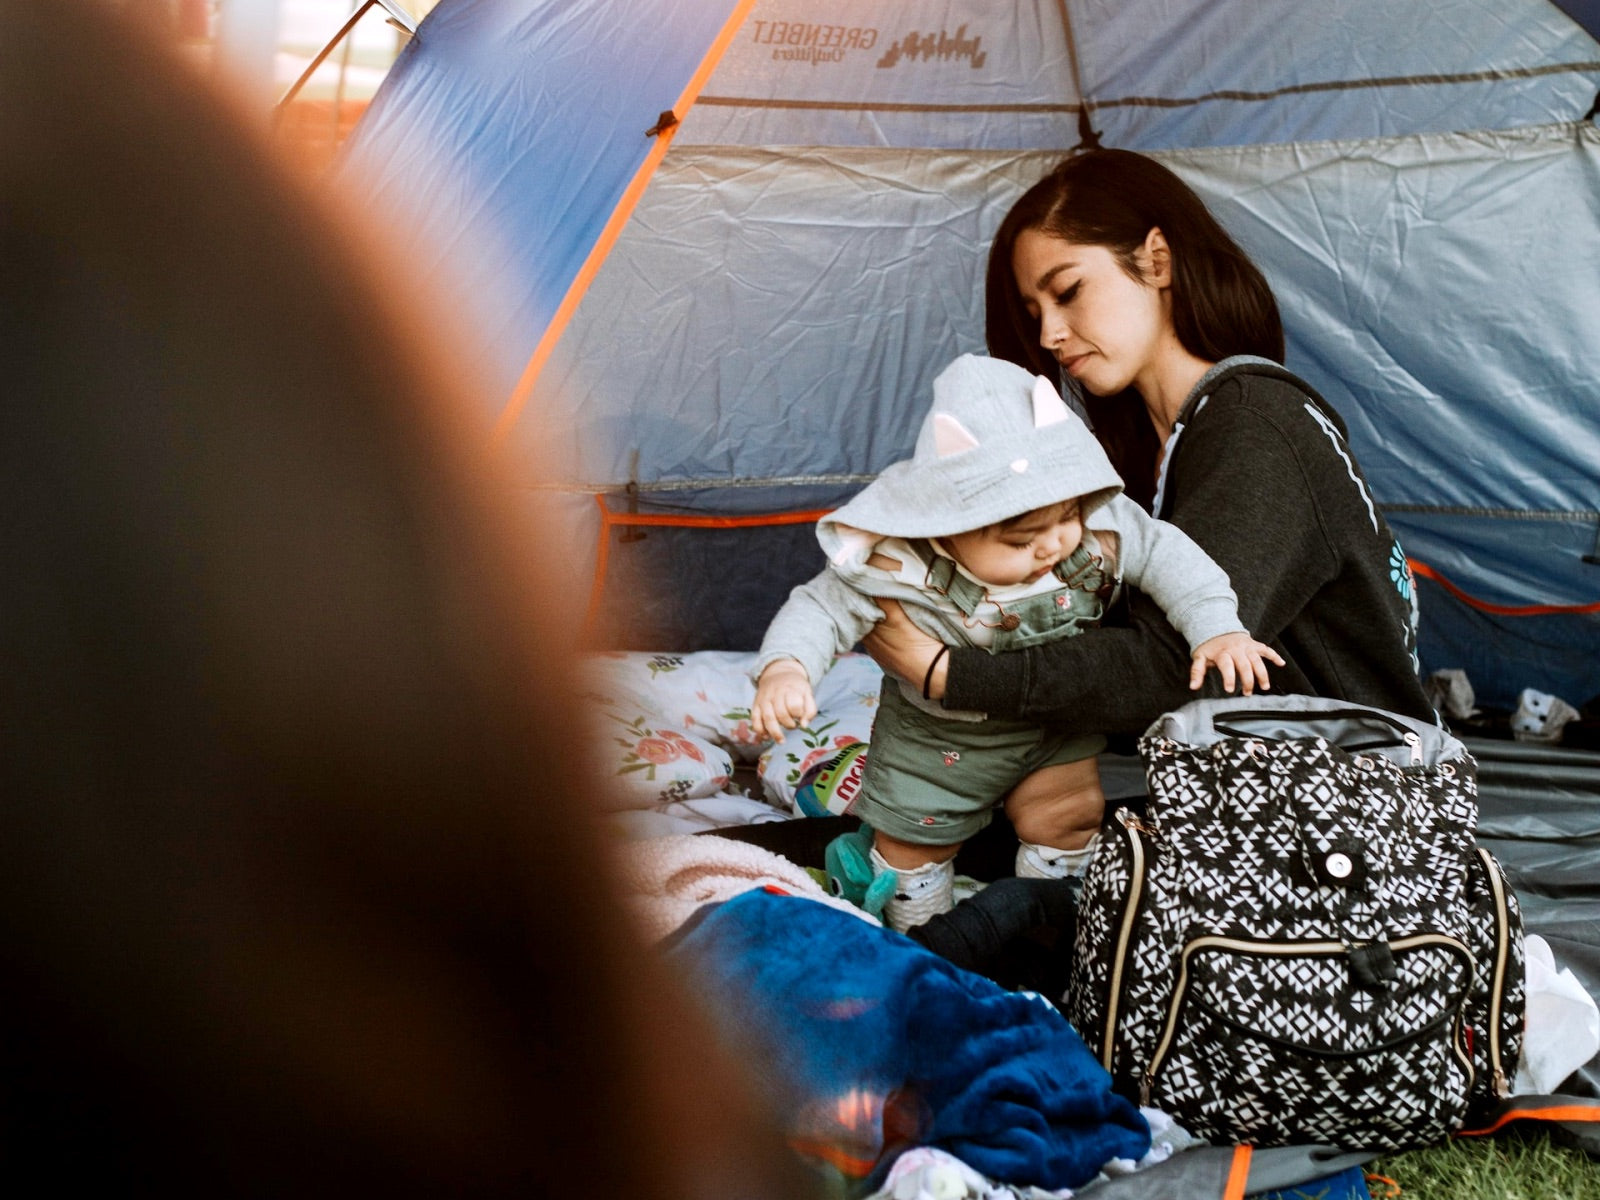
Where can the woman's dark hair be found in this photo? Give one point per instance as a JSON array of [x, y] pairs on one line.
[[1221, 303]]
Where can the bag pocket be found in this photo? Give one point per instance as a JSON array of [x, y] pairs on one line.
[[1293, 1041]]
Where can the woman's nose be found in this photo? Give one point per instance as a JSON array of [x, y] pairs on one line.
[[1052, 331]]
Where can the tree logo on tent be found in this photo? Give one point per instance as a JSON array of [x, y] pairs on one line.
[[942, 45]]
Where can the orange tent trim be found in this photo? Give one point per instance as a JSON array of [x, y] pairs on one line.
[[610, 519], [1558, 1112], [1238, 1174], [613, 227], [1502, 610]]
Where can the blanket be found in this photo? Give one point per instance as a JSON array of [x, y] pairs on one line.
[[872, 1044], [665, 880]]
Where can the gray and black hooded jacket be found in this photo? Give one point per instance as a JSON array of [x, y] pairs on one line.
[[1260, 475]]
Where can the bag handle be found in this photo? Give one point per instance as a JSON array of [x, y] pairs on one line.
[[1402, 735]]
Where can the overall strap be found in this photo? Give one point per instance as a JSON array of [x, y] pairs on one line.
[[966, 594], [1082, 569]]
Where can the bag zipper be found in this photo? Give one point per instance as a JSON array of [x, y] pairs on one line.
[[1502, 949], [1284, 950], [1133, 826]]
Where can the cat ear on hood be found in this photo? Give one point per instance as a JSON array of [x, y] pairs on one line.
[[950, 436], [1048, 406]]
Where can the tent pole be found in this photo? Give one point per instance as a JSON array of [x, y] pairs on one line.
[[316, 62], [662, 132], [1088, 136]]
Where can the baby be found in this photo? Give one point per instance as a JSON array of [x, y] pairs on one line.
[[1006, 528]]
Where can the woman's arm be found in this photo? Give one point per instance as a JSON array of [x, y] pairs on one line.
[[900, 648], [1240, 492]]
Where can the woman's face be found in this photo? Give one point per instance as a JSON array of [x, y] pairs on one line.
[[1103, 326]]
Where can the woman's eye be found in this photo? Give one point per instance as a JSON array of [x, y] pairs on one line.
[[1068, 295]]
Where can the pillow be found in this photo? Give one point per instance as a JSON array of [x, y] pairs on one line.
[[652, 764], [847, 702], [706, 694], [671, 726]]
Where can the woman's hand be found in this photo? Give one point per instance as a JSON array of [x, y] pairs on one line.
[[902, 649], [1235, 656]]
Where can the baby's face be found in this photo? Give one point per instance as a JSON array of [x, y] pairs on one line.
[[1022, 551]]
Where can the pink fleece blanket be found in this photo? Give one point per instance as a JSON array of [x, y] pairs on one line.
[[666, 879]]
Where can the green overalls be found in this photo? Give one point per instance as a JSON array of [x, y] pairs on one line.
[[936, 782]]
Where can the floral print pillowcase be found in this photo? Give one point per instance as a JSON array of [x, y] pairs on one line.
[[672, 726], [655, 723]]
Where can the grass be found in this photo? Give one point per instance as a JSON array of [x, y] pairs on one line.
[[1509, 1167]]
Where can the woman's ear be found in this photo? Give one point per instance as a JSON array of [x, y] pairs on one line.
[[1155, 258]]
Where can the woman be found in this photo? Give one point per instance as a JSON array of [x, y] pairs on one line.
[[1111, 271]]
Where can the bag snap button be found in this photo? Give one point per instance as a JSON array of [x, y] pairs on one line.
[[1339, 865]]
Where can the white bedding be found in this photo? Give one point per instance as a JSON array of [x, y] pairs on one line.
[[673, 731]]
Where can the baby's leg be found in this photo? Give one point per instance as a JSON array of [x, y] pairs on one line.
[[924, 883], [1057, 811]]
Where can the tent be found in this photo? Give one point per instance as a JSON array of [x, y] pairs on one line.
[[716, 253]]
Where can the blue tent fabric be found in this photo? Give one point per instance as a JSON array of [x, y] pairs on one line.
[[1414, 180], [979, 75], [517, 127], [1302, 73]]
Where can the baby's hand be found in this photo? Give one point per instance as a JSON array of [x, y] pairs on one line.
[[783, 699], [1233, 655]]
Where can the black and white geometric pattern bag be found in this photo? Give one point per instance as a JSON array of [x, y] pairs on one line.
[[1300, 940]]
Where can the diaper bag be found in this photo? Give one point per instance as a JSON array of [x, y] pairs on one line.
[[1299, 939]]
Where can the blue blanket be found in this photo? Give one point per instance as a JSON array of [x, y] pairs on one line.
[[870, 1044]]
